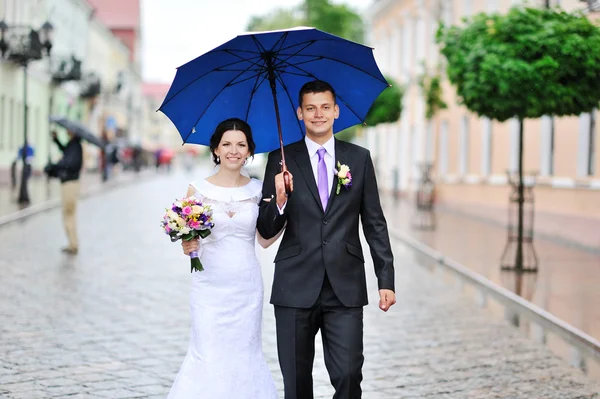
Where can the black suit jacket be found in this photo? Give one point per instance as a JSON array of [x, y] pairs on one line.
[[316, 241]]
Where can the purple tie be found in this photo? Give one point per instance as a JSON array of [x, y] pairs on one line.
[[322, 178]]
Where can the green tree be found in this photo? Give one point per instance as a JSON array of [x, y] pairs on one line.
[[387, 108], [281, 18], [337, 19], [524, 64], [431, 88]]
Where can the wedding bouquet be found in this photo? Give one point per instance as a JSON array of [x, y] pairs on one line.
[[187, 219]]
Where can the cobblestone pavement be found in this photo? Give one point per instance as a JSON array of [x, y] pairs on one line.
[[45, 194], [113, 322]]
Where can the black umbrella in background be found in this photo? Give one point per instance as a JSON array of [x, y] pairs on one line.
[[78, 129]]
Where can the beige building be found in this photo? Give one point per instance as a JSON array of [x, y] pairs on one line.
[[471, 155]]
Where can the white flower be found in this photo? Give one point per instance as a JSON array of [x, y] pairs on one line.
[[343, 172]]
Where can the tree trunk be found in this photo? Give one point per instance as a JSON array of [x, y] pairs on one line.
[[521, 200]]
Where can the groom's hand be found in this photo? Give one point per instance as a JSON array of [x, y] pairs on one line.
[[280, 189], [386, 299]]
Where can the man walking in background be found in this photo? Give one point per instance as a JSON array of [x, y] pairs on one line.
[[68, 170]]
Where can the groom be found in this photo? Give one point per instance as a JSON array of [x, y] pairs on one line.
[[319, 281]]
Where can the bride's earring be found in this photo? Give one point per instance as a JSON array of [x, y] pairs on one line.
[[218, 159]]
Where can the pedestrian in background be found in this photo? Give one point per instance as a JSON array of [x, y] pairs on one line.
[[68, 170]]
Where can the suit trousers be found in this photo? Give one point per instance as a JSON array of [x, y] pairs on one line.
[[70, 196], [342, 334]]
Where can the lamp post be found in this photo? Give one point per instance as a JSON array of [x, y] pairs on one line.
[[21, 45]]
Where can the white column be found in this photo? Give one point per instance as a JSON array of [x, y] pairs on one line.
[[395, 52], [463, 161], [492, 5], [419, 137], [421, 33], [434, 54], [443, 149], [513, 161], [405, 149], [468, 7], [407, 40], [429, 142], [583, 146], [486, 147]]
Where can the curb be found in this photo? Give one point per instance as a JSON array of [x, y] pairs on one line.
[[55, 203]]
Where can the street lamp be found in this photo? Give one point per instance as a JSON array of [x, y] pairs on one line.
[[21, 45]]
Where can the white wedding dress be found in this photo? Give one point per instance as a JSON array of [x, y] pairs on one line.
[[225, 358]]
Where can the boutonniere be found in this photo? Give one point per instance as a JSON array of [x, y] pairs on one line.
[[344, 177]]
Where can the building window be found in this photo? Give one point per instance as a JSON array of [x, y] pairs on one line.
[[587, 143], [486, 147], [37, 134], [468, 8], [547, 146], [2, 122], [443, 149], [463, 160], [11, 124]]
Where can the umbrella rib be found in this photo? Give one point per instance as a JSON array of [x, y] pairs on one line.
[[258, 45], [210, 103], [339, 61], [248, 78], [198, 78], [302, 62], [334, 39], [281, 39], [229, 50], [287, 92], [254, 89], [337, 95], [312, 41], [297, 74], [296, 53]]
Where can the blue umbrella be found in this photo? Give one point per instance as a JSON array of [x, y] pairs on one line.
[[257, 76]]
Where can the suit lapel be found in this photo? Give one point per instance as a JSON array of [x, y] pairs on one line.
[[340, 156], [302, 159]]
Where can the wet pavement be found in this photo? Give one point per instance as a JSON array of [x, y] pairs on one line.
[[567, 283], [113, 322]]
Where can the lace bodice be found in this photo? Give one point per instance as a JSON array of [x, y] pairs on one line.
[[235, 209]]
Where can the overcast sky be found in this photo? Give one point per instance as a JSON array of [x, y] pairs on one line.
[[176, 31]]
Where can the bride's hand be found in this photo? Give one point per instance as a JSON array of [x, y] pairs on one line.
[[190, 246]]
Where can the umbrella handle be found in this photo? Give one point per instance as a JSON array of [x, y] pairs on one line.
[[287, 180]]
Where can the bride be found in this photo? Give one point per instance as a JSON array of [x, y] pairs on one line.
[[225, 358]]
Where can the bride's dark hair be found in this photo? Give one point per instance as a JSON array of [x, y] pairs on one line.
[[231, 124]]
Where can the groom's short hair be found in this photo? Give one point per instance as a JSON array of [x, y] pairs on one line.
[[315, 86]]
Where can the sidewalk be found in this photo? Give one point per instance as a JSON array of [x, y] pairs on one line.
[[566, 285], [45, 194]]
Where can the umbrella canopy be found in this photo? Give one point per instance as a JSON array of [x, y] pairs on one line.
[[78, 129], [257, 76]]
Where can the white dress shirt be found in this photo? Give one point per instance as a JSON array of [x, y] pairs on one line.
[[314, 161]]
